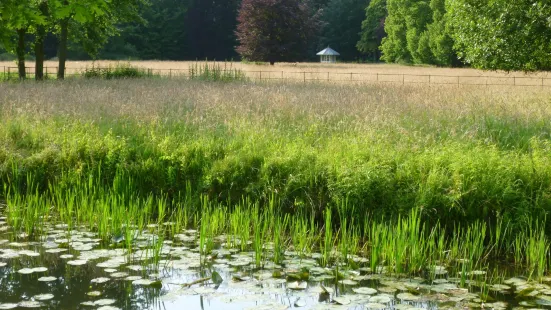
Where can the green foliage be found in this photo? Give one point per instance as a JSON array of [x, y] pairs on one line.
[[118, 71], [441, 43], [215, 72], [418, 33], [504, 35], [373, 31], [342, 21]]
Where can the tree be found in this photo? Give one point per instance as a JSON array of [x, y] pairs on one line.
[[441, 43], [18, 17], [96, 20], [211, 28], [342, 20], [275, 30], [373, 29], [502, 34]]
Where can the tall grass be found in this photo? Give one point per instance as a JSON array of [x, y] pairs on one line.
[[446, 175], [216, 72]]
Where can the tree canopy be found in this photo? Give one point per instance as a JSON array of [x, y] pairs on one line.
[[275, 30], [502, 34], [486, 34]]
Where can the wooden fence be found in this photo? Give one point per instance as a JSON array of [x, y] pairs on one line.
[[310, 76]]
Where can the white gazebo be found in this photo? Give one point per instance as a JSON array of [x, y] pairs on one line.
[[328, 55]]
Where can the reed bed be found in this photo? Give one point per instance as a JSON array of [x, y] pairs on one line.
[[407, 177]]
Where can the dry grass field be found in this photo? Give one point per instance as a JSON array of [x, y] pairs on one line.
[[327, 72]]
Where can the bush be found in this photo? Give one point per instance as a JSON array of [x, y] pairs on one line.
[[118, 71]]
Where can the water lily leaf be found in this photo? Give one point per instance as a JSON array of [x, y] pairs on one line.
[[500, 287], [40, 269], [30, 304], [381, 299], [104, 302], [41, 297], [365, 290], [348, 282], [47, 279], [94, 293], [8, 306], [76, 262], [543, 300], [342, 300], [100, 280], [525, 292], [300, 303], [326, 290], [407, 296], [216, 278], [297, 285]]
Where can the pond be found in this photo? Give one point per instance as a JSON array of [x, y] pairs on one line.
[[73, 268]]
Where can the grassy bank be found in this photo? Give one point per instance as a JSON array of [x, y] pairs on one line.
[[456, 157]]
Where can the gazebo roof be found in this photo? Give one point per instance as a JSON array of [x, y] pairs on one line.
[[328, 52]]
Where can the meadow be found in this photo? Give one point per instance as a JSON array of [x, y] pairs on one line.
[[408, 177]]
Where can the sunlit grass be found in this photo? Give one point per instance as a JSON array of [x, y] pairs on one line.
[[409, 177]]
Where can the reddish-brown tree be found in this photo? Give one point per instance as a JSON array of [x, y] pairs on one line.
[[275, 30]]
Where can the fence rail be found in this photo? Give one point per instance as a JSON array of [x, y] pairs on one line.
[[327, 76]]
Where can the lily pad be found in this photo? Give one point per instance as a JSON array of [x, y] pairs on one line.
[[8, 306], [47, 279], [348, 282], [30, 304], [365, 290], [104, 302], [100, 280], [342, 301], [76, 262], [43, 297], [300, 303], [25, 271], [381, 299], [297, 285], [407, 296], [94, 293]]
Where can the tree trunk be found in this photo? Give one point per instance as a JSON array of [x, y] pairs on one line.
[[39, 46], [62, 49], [21, 53]]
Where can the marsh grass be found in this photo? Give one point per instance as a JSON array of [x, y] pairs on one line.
[[206, 71], [408, 176], [116, 71]]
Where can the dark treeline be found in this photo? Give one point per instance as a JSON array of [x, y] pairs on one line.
[[497, 34]]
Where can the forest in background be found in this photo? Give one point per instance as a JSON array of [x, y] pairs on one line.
[[500, 34]]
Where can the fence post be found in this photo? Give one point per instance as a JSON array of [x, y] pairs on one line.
[[377, 79], [403, 79], [514, 80], [327, 76], [542, 82], [260, 75], [282, 75], [170, 73], [351, 76], [304, 73], [9, 73]]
